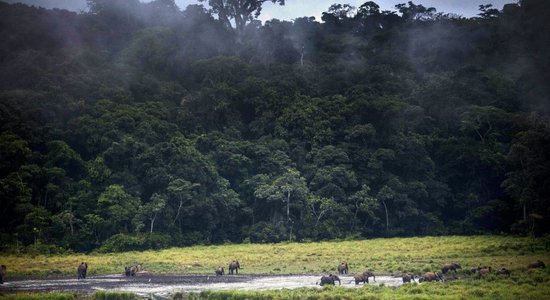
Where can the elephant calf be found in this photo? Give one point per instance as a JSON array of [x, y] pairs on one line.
[[82, 269], [503, 271], [2, 273], [449, 267], [430, 276], [220, 271], [408, 277], [536, 264], [132, 270], [343, 268], [484, 271], [330, 280]]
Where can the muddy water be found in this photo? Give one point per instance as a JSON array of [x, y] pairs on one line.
[[166, 285]]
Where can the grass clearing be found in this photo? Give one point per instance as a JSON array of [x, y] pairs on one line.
[[452, 290], [384, 256]]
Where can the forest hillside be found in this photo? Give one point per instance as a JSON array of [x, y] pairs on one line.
[[145, 125]]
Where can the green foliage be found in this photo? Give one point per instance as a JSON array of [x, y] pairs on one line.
[[453, 290], [138, 118], [106, 295], [36, 296], [123, 242]]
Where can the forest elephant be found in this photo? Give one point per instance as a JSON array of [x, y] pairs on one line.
[[536, 264], [343, 268], [132, 270], [2, 273], [430, 276], [234, 266], [363, 277], [503, 271], [330, 280], [449, 267], [82, 269], [220, 271], [408, 277], [482, 271]]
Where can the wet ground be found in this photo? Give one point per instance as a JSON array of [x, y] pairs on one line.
[[166, 285]]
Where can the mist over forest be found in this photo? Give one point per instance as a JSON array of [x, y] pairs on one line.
[[139, 125]]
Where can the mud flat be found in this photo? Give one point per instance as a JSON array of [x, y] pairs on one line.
[[166, 285]]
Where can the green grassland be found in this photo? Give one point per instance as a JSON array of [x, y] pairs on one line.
[[384, 256]]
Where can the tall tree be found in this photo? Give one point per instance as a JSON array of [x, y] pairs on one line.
[[239, 11]]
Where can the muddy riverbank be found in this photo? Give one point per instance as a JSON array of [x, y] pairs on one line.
[[165, 285]]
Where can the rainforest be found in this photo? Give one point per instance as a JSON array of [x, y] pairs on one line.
[[135, 126]]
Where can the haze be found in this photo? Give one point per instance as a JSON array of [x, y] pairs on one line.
[[299, 8]]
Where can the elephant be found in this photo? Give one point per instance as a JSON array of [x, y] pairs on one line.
[[536, 264], [234, 266], [364, 277], [484, 271], [408, 277], [343, 268], [430, 276], [132, 270], [449, 267], [330, 279], [220, 271], [503, 271], [82, 269], [2, 273]]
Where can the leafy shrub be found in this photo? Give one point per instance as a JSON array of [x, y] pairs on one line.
[[123, 242], [102, 295], [43, 249], [157, 241], [266, 232], [39, 296]]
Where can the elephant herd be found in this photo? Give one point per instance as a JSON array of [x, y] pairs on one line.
[[480, 271], [331, 279], [343, 269], [233, 268], [132, 270]]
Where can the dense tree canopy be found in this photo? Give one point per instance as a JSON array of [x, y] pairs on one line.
[[140, 125]]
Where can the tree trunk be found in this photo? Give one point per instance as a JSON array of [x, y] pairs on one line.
[[71, 224], [178, 213], [387, 221], [288, 207], [153, 222], [524, 212]]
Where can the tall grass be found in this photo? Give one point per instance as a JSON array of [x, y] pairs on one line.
[[453, 290], [384, 256], [39, 296], [101, 295], [106, 295]]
